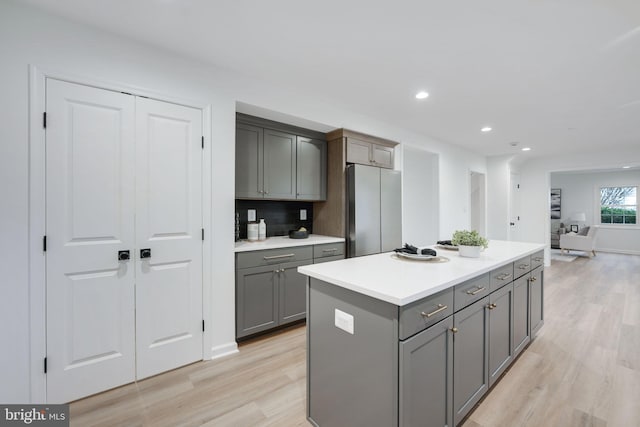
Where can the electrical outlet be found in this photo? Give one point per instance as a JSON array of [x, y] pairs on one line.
[[251, 214], [344, 321], [303, 214]]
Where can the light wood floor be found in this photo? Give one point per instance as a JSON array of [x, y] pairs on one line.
[[583, 369]]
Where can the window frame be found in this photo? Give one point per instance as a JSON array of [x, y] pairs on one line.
[[600, 206]]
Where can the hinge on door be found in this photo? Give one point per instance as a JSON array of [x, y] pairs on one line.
[[44, 120], [518, 186], [203, 234], [202, 325], [203, 142], [45, 365], [44, 243]]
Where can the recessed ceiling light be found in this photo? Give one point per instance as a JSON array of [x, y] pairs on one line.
[[626, 167], [422, 95], [486, 129], [526, 149]]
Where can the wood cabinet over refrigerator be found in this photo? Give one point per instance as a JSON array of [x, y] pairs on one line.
[[345, 146]]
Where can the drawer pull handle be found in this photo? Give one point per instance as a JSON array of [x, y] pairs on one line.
[[433, 313], [477, 291], [330, 250], [266, 258], [538, 259], [523, 266], [503, 276]]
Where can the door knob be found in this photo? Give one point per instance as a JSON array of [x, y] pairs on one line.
[[145, 253], [123, 256]]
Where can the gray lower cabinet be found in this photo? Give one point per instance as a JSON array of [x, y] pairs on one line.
[[470, 357], [521, 335], [256, 299], [500, 331], [293, 292], [536, 298], [269, 290], [426, 377]]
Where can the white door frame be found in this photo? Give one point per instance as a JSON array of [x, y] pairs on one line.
[[37, 206]]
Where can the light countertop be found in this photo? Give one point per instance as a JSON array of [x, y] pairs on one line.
[[402, 281], [285, 242]]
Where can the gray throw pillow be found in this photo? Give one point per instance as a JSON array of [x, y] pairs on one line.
[[584, 231]]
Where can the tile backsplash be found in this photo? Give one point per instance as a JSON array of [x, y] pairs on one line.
[[280, 216]]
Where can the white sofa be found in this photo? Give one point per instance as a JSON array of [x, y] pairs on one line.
[[577, 242]]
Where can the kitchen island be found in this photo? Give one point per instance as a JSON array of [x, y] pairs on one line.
[[393, 341]]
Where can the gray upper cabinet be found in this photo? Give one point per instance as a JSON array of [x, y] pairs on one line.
[[369, 153], [274, 161], [311, 173], [249, 161], [279, 165]]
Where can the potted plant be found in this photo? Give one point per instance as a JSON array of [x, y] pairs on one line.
[[469, 243]]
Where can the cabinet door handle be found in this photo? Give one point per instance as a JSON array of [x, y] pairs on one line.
[[477, 291], [433, 313], [454, 330], [267, 258], [279, 270], [503, 276], [260, 191], [533, 279], [491, 306]]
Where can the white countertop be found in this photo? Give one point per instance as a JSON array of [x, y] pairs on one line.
[[402, 281], [285, 242]]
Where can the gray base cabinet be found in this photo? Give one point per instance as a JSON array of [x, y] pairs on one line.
[[500, 331], [269, 290], [426, 377], [471, 357], [424, 364], [536, 297]]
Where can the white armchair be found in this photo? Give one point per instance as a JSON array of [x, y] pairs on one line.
[[577, 242]]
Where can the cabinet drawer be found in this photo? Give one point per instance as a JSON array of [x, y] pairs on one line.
[[421, 314], [537, 259], [273, 256], [328, 259], [470, 291], [501, 276], [328, 250], [521, 267]]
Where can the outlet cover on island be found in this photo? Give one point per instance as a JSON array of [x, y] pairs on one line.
[[303, 214], [251, 214], [344, 321]]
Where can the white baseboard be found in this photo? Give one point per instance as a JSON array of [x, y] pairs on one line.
[[618, 251], [224, 350]]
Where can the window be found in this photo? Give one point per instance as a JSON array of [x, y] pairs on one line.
[[618, 205]]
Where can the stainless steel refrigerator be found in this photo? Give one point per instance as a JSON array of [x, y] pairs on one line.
[[374, 210]]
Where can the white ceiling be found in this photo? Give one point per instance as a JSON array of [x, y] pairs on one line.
[[558, 76]]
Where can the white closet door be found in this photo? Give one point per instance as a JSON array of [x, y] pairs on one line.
[[89, 219], [168, 224]]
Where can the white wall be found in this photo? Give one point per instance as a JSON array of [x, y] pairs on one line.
[[28, 36], [420, 206], [581, 193]]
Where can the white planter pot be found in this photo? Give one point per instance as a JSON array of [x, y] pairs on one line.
[[469, 251]]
